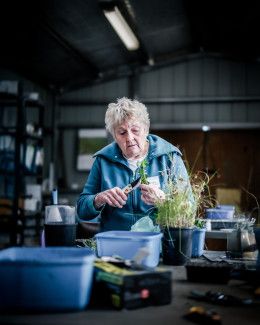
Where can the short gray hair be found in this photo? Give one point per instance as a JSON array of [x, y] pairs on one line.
[[122, 110]]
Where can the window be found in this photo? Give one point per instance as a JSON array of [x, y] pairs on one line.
[[89, 142]]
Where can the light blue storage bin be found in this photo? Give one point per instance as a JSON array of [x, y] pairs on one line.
[[226, 207], [35, 278], [127, 243], [219, 213]]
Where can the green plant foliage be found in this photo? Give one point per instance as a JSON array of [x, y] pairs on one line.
[[199, 223], [185, 200], [90, 243], [143, 172]]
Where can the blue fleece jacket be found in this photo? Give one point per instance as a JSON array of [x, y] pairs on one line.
[[111, 169]]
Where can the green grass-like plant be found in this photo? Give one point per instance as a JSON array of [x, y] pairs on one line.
[[185, 201]]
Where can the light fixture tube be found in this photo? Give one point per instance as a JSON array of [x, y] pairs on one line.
[[122, 29]]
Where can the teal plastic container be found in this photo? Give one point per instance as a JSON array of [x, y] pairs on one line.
[[42, 279], [126, 244]]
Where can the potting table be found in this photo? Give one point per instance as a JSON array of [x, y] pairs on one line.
[[217, 266], [167, 315]]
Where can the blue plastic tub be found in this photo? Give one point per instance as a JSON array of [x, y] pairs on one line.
[[45, 278], [226, 207], [219, 214], [127, 243], [198, 241]]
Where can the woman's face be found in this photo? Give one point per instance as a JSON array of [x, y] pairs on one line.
[[131, 138]]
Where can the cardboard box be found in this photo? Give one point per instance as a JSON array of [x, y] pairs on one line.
[[122, 287]]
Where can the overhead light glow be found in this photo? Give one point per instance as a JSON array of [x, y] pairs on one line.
[[205, 128], [122, 29]]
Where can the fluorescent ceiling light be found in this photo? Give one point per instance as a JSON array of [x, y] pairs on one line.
[[122, 29]]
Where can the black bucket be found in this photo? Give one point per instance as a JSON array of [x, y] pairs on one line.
[[176, 245]]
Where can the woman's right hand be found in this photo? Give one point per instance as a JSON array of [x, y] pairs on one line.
[[114, 197]]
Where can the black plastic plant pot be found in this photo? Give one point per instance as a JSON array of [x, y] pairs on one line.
[[176, 245]]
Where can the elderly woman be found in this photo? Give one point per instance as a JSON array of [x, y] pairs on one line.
[[118, 164]]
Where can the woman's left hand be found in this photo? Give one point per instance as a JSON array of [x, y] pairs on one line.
[[151, 194]]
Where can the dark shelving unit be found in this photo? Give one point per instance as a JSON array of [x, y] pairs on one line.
[[14, 223]]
